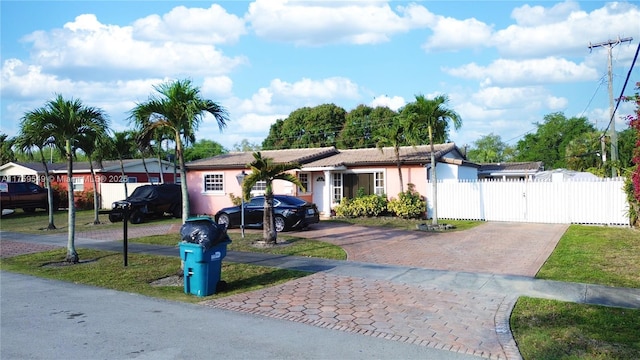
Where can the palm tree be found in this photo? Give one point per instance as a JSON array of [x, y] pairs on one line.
[[179, 108], [67, 121], [122, 146], [435, 116], [93, 145], [393, 135], [265, 169], [30, 136], [6, 153]]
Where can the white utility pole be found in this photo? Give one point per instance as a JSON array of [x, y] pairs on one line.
[[609, 44]]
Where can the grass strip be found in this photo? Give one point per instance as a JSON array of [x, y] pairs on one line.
[[548, 329], [105, 269]]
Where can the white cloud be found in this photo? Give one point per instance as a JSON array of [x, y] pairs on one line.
[[217, 86], [323, 90], [88, 44], [564, 29], [392, 102], [191, 25], [318, 23], [534, 71], [452, 34]]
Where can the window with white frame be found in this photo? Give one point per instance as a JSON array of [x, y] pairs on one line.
[[259, 188], [337, 187], [132, 179], [378, 183], [154, 179], [214, 182], [78, 183], [304, 180]]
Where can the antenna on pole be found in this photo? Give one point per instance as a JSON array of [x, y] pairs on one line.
[[609, 44]]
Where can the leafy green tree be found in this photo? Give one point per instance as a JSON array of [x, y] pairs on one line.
[[265, 169], [307, 127], [362, 126], [6, 151], [31, 136], [632, 181], [435, 117], [548, 144], [488, 149], [626, 145], [180, 108], [67, 121], [583, 152], [203, 149]]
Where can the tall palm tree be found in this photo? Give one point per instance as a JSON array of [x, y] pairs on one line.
[[435, 116], [67, 121], [6, 152], [265, 169], [393, 135], [93, 145], [30, 136], [180, 108]]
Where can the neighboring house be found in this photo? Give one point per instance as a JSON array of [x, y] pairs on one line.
[[329, 174], [510, 170], [105, 172]]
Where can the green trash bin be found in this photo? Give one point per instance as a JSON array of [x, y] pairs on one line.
[[203, 246], [202, 267]]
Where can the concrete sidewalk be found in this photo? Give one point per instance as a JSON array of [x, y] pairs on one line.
[[460, 311]]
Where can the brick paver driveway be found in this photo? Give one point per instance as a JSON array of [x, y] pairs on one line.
[[493, 247]]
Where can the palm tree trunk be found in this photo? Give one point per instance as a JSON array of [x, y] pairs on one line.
[[269, 233], [161, 174], [47, 182], [397, 151], [146, 171], [183, 180], [434, 180], [72, 255], [123, 179], [96, 216]]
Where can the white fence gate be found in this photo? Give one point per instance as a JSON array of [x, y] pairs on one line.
[[602, 201], [110, 192]]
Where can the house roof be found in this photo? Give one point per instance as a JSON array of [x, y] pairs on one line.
[[330, 157], [511, 167], [374, 156], [241, 159], [83, 166]]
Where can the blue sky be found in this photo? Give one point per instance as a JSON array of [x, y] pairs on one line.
[[503, 64]]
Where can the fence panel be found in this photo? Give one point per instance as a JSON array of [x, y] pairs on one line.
[[110, 192], [568, 202]]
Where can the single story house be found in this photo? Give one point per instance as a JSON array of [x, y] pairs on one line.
[[328, 174], [105, 172], [510, 170]]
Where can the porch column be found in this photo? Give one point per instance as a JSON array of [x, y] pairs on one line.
[[326, 194]]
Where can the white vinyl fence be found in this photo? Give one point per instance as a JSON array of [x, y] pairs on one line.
[[601, 201], [111, 192]]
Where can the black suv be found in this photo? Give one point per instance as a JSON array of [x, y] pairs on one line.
[[147, 201]]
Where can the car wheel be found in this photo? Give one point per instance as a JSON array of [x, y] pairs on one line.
[[115, 218], [136, 217], [29, 210], [223, 219], [280, 223]]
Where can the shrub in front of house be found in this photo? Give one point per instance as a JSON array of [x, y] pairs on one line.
[[409, 204], [363, 205], [84, 200]]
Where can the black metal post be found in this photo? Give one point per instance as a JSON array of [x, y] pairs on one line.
[[125, 235]]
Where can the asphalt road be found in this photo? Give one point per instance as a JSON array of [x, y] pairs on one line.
[[45, 319]]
